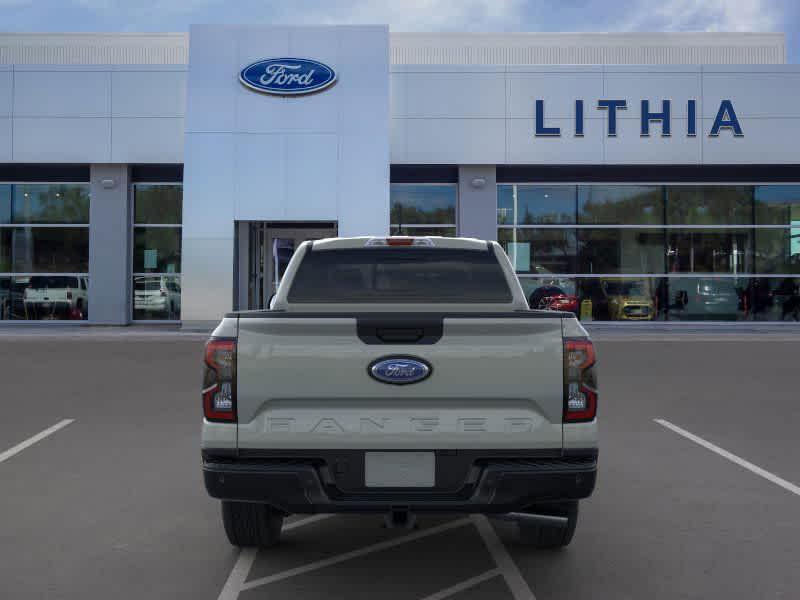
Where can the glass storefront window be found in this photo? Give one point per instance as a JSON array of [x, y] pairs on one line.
[[778, 205], [157, 213], [423, 204], [710, 251], [621, 251], [423, 231], [158, 204], [44, 204], [157, 250], [774, 299], [778, 250], [540, 251], [709, 205], [550, 293], [44, 249], [620, 204], [536, 204]]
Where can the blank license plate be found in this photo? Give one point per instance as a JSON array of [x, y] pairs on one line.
[[399, 469]]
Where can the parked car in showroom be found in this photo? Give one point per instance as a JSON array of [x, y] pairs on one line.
[[398, 376], [56, 297], [552, 297], [627, 299]]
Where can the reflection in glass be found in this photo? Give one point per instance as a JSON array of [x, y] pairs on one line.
[[540, 251], [423, 231], [156, 297], [157, 249], [778, 250], [45, 203], [621, 250], [158, 204], [709, 205], [423, 204], [621, 204], [774, 299], [44, 297], [710, 251], [777, 205], [44, 249], [536, 204]]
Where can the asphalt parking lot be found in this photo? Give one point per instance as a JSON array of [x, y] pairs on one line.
[[108, 501]]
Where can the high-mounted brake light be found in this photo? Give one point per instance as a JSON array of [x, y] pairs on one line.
[[399, 241], [219, 377], [580, 383]]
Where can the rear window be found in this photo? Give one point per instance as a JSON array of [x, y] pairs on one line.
[[399, 275], [57, 281]]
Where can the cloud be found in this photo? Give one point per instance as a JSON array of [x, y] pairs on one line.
[[415, 15], [705, 15]]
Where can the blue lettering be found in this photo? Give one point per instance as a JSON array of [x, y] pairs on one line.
[[541, 130], [691, 118], [578, 118], [612, 106], [726, 119], [663, 116]]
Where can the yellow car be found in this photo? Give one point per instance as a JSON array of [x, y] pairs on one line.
[[628, 299]]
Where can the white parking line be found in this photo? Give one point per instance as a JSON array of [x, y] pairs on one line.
[[519, 587], [787, 485], [385, 545], [33, 439], [464, 585], [244, 562]]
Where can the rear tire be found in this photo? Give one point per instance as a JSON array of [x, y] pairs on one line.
[[251, 524], [550, 536]]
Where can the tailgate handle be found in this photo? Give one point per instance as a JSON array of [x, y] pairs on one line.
[[399, 336], [399, 330]]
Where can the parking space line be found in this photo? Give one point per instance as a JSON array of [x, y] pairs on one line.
[[327, 562], [508, 568], [787, 485], [464, 585], [33, 439], [246, 558]]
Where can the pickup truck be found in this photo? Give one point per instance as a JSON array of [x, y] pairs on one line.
[[399, 375]]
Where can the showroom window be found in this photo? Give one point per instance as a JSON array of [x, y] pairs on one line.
[[423, 209], [157, 251], [44, 251], [645, 252]]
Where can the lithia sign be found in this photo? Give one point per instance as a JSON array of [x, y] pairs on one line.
[[725, 120]]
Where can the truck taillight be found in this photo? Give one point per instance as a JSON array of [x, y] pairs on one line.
[[580, 384], [219, 380]]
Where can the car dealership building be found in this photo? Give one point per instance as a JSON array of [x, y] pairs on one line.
[[168, 177]]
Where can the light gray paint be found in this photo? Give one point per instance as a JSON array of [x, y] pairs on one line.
[[255, 157], [109, 246], [92, 113], [477, 206]]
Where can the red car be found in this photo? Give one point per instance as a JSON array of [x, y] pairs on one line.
[[552, 297]]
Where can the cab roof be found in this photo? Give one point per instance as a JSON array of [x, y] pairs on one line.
[[349, 243]]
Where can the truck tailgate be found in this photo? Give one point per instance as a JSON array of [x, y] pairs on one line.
[[303, 383]]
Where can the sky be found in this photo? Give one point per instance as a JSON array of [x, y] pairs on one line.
[[414, 15]]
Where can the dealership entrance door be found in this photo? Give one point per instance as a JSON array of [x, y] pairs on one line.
[[264, 250]]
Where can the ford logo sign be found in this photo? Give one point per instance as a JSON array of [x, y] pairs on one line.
[[287, 76], [399, 370]]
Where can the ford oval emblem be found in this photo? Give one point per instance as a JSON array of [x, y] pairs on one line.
[[287, 76], [399, 370]]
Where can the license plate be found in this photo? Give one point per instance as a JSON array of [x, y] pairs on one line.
[[399, 469]]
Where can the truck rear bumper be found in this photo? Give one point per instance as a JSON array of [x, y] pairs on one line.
[[498, 484]]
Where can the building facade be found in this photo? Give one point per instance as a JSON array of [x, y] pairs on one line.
[[153, 177]]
